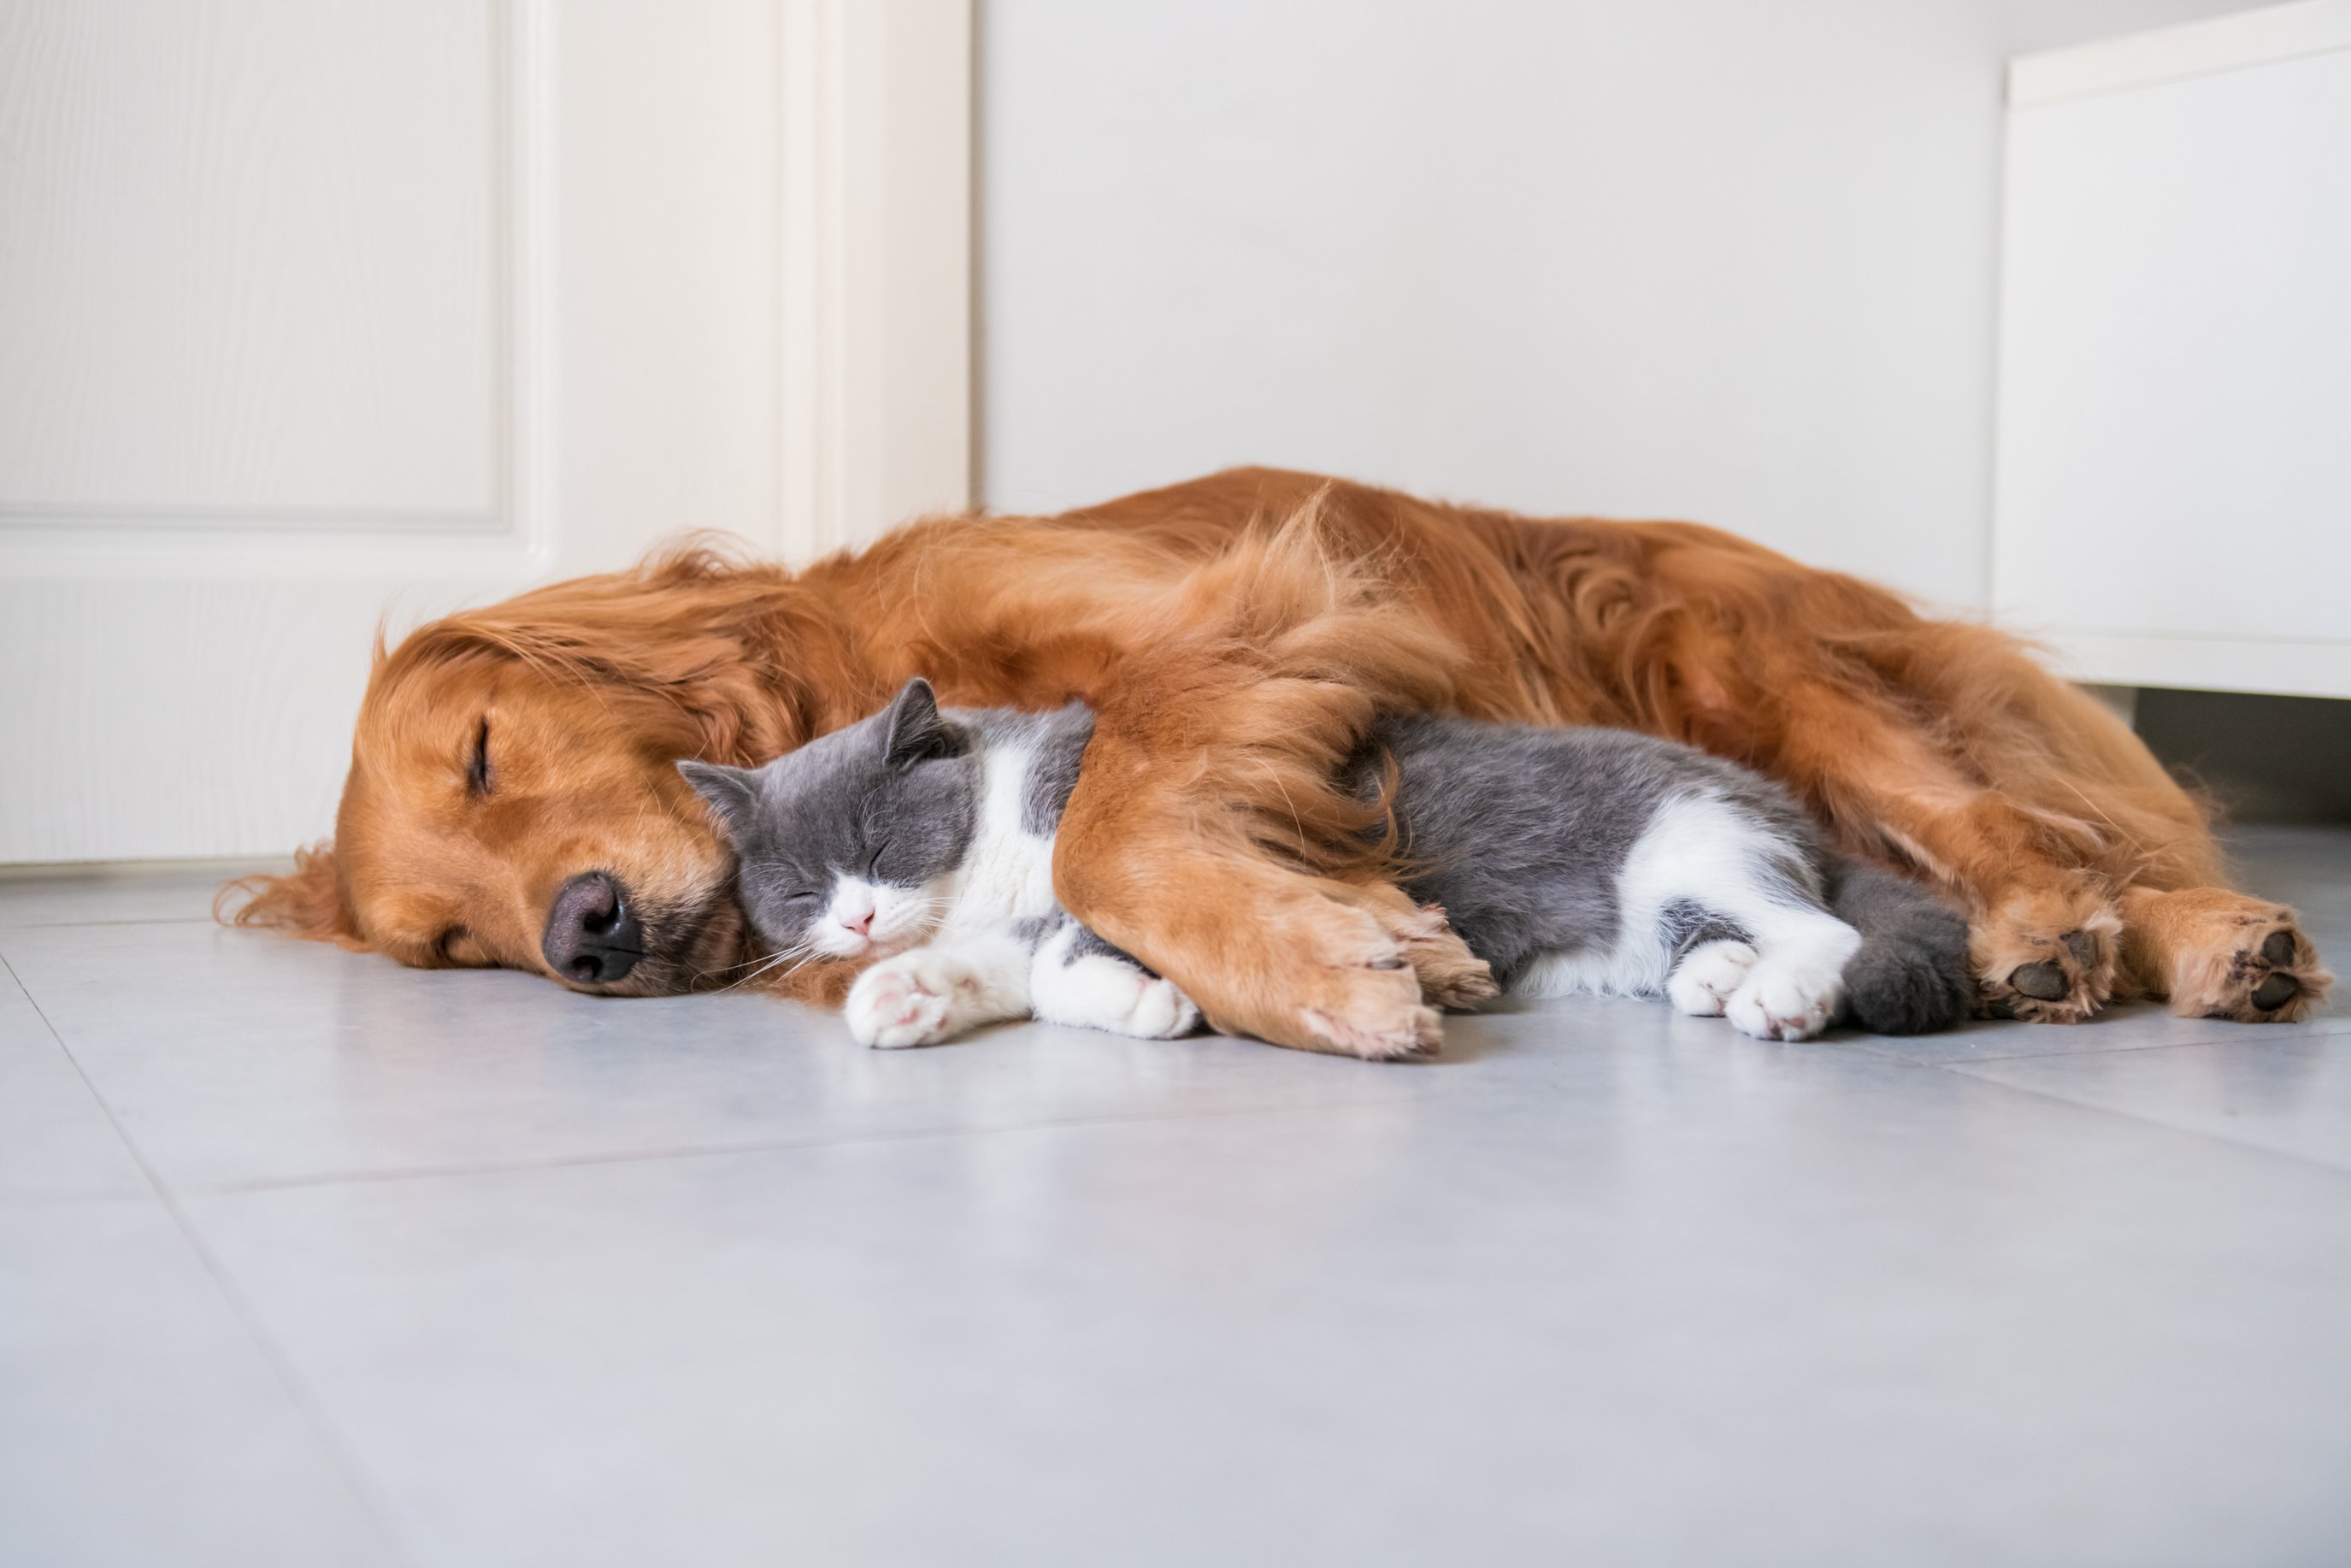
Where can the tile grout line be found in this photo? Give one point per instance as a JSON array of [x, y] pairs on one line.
[[1958, 1069], [775, 1146], [2108, 1050], [377, 1507]]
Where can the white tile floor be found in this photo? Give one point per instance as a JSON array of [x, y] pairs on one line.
[[305, 1259]]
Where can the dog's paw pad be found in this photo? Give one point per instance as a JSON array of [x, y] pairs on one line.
[[2047, 959], [2274, 979], [2042, 982]]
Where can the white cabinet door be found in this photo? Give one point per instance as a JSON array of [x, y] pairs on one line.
[[2174, 492], [314, 310]]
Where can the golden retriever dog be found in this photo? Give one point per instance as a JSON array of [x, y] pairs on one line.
[[513, 798]]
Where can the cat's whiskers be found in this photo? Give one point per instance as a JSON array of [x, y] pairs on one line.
[[725, 968], [800, 950], [742, 980]]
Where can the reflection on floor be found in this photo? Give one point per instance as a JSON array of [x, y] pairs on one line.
[[305, 1258]]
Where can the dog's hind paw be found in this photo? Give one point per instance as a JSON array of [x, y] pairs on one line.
[[2223, 955]]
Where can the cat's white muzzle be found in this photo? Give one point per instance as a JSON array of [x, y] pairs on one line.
[[869, 919]]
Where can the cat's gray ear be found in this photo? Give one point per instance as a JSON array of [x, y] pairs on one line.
[[911, 729], [733, 792]]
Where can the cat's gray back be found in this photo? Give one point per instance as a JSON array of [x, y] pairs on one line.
[[1558, 809], [1607, 783], [1523, 834]]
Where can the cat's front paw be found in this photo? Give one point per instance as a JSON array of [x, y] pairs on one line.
[[1106, 993], [1785, 1002], [1161, 1011], [897, 1003]]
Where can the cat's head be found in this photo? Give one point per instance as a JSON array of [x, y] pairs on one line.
[[844, 846]]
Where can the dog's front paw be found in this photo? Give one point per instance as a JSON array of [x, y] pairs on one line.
[[1451, 975], [898, 1002]]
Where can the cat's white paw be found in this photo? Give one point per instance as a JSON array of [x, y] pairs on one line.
[[1101, 992], [1161, 1011], [905, 1000], [1785, 1002], [1702, 984]]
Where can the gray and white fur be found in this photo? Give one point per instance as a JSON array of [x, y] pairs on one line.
[[1570, 860], [1606, 861]]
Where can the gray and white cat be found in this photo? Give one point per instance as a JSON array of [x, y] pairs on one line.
[[927, 837], [1570, 860]]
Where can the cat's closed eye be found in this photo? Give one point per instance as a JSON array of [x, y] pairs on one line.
[[776, 880]]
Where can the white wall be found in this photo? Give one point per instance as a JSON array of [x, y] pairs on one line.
[[1702, 258]]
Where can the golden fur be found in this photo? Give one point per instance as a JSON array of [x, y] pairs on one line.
[[1237, 634]]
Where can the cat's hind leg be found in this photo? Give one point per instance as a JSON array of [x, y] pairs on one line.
[[1706, 857], [1786, 984], [1797, 982], [934, 993], [1080, 979]]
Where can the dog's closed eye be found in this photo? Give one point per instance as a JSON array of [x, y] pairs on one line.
[[477, 767]]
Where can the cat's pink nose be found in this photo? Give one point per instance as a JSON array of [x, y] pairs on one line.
[[863, 925]]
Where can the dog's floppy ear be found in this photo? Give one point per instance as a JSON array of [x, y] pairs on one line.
[[911, 729], [306, 902], [733, 793]]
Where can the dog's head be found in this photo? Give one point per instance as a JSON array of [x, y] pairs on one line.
[[514, 797]]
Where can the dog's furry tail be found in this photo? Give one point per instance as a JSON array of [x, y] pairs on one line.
[[1910, 974]]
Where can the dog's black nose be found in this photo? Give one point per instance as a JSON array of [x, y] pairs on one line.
[[592, 935]]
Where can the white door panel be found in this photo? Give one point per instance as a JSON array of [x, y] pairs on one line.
[[252, 268], [310, 312]]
